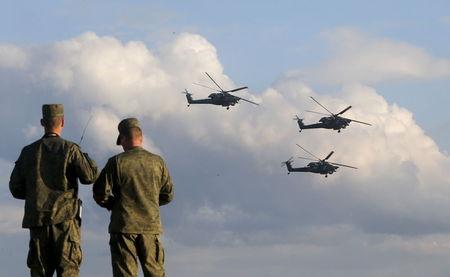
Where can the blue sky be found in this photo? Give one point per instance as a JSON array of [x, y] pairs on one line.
[[236, 212]]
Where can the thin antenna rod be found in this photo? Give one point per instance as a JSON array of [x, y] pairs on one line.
[[84, 130]]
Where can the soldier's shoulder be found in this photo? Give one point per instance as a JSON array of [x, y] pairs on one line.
[[153, 155], [139, 152], [69, 143], [114, 159], [32, 146]]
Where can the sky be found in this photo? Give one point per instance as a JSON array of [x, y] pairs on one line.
[[236, 211]]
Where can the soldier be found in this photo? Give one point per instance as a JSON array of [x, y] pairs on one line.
[[45, 176], [132, 186]]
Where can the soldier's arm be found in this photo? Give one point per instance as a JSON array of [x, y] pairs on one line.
[[166, 192], [17, 184], [85, 167], [103, 186]]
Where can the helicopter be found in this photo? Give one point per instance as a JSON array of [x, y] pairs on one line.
[[321, 166], [222, 97], [332, 121]]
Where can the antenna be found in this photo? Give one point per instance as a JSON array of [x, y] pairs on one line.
[[84, 130]]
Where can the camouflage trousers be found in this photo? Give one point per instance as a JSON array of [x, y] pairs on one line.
[[55, 248], [126, 249]]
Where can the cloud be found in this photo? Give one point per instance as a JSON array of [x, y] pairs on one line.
[[12, 57], [337, 250], [232, 196], [360, 57]]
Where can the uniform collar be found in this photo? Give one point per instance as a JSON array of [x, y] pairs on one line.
[[51, 135], [134, 148]]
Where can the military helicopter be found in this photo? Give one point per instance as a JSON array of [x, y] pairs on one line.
[[222, 97], [322, 166], [335, 121]]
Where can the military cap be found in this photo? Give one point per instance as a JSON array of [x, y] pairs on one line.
[[125, 125], [52, 110]]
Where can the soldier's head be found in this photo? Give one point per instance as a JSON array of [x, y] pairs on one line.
[[130, 133], [53, 118]]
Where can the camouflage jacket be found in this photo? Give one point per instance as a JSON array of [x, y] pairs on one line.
[[133, 185], [45, 176]]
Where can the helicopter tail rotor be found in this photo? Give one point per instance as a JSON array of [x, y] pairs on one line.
[[188, 96], [186, 92], [299, 122], [288, 162]]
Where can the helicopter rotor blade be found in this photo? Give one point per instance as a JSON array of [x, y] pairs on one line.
[[357, 121], [308, 151], [317, 112], [322, 106], [344, 165], [236, 89], [206, 87], [214, 82], [344, 110], [240, 98], [308, 159], [329, 155]]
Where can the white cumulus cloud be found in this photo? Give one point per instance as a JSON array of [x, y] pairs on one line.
[[360, 57]]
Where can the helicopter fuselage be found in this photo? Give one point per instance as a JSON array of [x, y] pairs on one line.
[[221, 99], [334, 122], [328, 122], [320, 167]]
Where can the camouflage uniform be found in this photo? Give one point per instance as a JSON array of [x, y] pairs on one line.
[[132, 186], [45, 176]]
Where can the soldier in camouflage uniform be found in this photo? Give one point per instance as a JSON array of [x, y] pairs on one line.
[[45, 176], [132, 186]]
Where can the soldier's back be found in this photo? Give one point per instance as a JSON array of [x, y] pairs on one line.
[[48, 169], [139, 180]]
